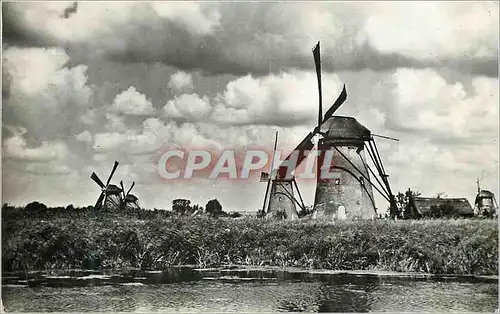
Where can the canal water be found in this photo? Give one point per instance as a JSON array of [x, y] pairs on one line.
[[244, 290]]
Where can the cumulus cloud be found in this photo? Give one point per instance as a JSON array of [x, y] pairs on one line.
[[284, 99], [16, 147], [108, 141], [131, 102], [181, 81], [30, 68], [46, 98], [188, 106], [115, 122], [426, 103]]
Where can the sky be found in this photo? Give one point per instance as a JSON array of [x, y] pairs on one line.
[[89, 83]]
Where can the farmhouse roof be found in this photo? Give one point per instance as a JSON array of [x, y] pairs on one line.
[[460, 205]]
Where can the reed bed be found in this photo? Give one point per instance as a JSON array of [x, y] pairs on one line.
[[106, 241]]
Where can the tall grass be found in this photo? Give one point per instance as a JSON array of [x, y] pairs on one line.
[[432, 246]]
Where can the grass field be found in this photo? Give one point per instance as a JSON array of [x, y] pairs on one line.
[[93, 241]]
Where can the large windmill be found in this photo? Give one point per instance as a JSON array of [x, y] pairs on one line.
[[348, 190], [110, 197], [129, 201]]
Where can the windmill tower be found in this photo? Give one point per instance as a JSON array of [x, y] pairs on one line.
[[347, 192], [348, 195], [111, 195], [129, 201]]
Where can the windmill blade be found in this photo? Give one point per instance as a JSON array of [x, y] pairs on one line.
[[317, 63], [305, 146], [265, 196], [123, 190], [276, 143], [133, 183], [340, 100], [267, 176], [386, 137], [97, 180], [272, 157], [99, 200], [112, 172]]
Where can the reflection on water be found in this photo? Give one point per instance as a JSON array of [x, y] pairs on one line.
[[187, 290]]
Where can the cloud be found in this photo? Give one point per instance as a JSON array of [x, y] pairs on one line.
[[259, 38], [188, 106], [198, 18], [30, 69], [16, 148], [428, 30], [181, 81], [424, 102], [108, 141], [287, 99], [131, 102], [51, 168], [85, 136], [114, 122], [45, 97]]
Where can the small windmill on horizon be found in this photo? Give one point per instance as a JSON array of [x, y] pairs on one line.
[[110, 196], [129, 201]]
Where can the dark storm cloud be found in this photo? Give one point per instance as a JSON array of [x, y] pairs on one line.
[[244, 42]]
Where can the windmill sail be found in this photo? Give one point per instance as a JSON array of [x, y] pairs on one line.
[[317, 63], [306, 144]]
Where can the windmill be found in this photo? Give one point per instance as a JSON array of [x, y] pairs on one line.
[[110, 196], [347, 192], [281, 203], [129, 201], [485, 203]]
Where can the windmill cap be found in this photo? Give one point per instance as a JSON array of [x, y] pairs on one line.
[[113, 189], [346, 128], [485, 193], [131, 198]]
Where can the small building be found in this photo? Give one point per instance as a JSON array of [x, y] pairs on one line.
[[440, 207]]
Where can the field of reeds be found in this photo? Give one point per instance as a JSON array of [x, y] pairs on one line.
[[89, 240]]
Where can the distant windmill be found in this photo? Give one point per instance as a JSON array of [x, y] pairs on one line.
[[281, 203], [348, 193], [110, 197], [485, 203], [129, 201]]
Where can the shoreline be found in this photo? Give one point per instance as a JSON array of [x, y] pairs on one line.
[[257, 268]]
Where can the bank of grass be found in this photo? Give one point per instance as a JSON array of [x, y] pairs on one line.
[[431, 246]]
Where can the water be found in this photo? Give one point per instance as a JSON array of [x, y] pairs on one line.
[[237, 290]]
